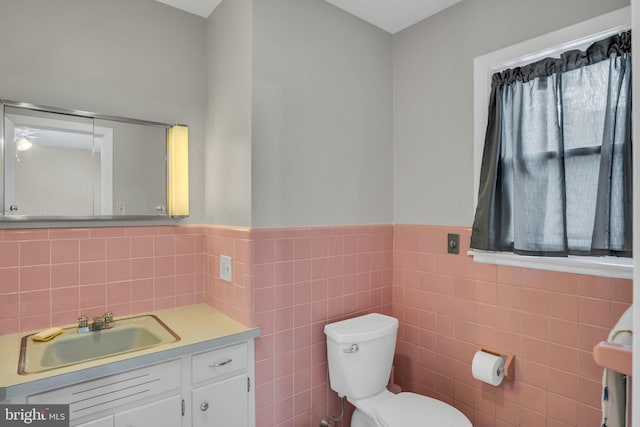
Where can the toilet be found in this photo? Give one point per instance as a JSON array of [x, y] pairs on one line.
[[360, 354]]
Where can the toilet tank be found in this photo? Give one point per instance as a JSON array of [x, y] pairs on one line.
[[360, 354]]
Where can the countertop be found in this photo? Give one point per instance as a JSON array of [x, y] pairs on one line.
[[199, 326]]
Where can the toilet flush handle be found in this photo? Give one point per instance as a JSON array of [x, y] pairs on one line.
[[353, 349]]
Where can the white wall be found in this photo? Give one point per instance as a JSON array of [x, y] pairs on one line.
[[314, 117], [299, 120], [139, 59], [433, 97], [229, 132], [298, 116], [322, 116]]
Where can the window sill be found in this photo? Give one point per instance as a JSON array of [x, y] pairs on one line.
[[619, 268]]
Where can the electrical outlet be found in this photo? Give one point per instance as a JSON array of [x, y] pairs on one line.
[[225, 268]]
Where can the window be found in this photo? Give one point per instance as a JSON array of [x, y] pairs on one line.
[[556, 170]]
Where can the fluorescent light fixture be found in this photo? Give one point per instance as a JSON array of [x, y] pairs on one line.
[[178, 171]]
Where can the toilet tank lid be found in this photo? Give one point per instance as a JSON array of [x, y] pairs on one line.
[[361, 328]]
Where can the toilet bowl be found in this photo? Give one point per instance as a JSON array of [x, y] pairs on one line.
[[360, 354]]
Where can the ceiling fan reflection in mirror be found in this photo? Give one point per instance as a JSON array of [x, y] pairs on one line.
[[23, 138]]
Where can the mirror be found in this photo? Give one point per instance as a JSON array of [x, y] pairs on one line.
[[62, 164]]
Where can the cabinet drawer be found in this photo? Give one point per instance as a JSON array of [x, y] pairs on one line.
[[90, 397], [218, 363]]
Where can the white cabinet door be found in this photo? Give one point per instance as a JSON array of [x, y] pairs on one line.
[[163, 413], [102, 422], [223, 403]]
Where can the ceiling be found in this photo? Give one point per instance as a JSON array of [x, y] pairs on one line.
[[197, 7], [390, 15]]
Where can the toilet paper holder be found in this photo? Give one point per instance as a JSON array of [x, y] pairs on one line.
[[509, 366]]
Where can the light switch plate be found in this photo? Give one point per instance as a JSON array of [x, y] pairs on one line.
[[225, 268]]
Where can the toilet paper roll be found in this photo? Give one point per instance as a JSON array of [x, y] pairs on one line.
[[488, 368]]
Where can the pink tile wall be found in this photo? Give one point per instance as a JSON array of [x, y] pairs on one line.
[[302, 279], [51, 276], [448, 306], [235, 299], [293, 281]]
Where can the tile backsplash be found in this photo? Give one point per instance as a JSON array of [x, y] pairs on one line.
[[51, 276]]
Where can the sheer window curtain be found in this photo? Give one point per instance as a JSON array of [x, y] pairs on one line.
[[556, 171]]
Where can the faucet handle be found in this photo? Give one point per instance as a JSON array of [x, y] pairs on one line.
[[83, 324]]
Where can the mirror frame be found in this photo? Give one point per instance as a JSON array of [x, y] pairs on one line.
[[12, 219]]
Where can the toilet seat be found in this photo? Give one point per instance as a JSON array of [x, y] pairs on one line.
[[415, 410]]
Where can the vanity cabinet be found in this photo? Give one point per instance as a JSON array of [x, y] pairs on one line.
[[213, 387], [130, 389], [165, 412], [221, 387], [100, 422], [211, 404]]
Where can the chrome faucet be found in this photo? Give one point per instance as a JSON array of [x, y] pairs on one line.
[[98, 323]]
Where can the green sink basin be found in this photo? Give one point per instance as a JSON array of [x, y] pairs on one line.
[[129, 334]]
